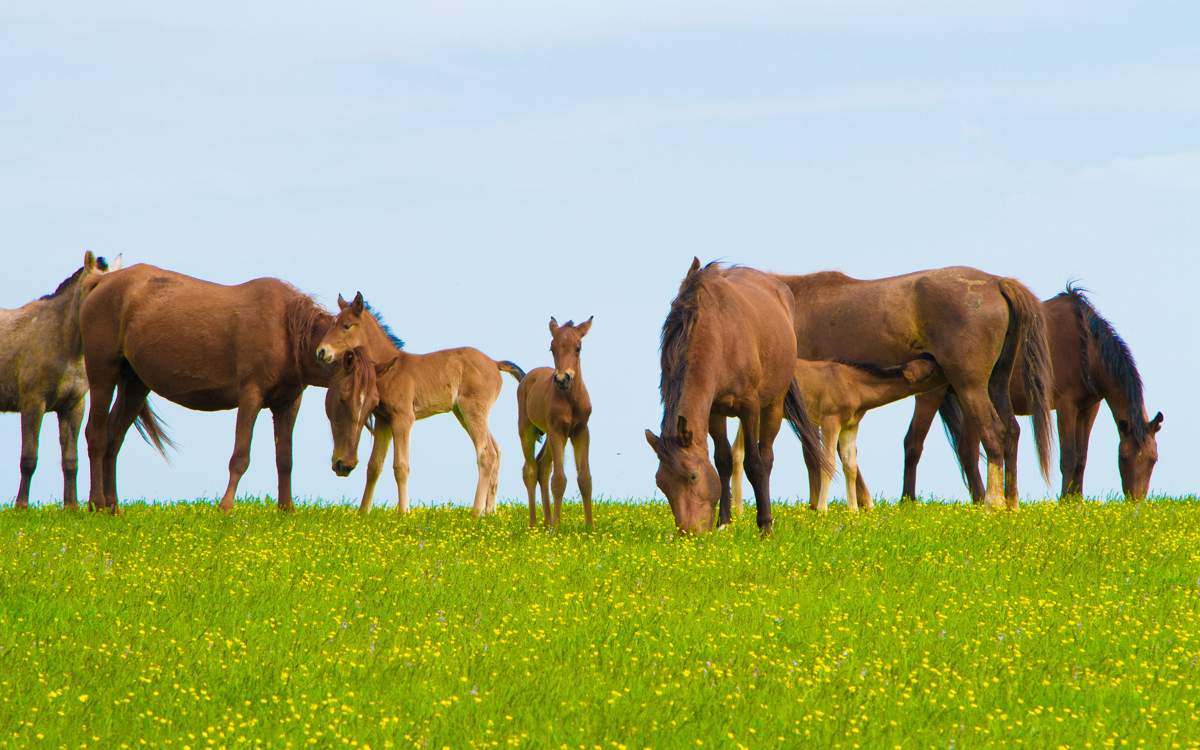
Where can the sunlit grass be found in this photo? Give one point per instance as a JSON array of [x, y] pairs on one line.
[[915, 626]]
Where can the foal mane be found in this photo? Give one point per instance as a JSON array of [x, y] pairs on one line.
[[387, 330], [674, 342], [1115, 357]]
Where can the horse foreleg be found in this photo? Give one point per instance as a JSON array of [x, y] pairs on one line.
[[723, 458], [1083, 434], [770, 420], [68, 442], [556, 445], [247, 414], [1067, 416], [529, 468], [31, 430], [284, 421], [580, 444], [381, 441]]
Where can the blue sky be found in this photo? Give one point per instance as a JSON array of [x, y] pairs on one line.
[[474, 168]]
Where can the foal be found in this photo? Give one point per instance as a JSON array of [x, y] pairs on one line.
[[553, 401], [837, 396], [376, 377]]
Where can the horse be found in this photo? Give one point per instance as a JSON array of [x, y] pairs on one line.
[[975, 325], [204, 346], [1092, 363], [553, 401], [728, 349], [837, 395], [377, 378], [41, 370]]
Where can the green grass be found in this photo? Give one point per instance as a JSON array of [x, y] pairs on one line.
[[915, 626]]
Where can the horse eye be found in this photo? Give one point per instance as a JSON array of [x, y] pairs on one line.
[[693, 478], [346, 326], [578, 349]]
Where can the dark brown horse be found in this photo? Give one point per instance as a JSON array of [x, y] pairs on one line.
[[205, 346], [728, 350], [1092, 363], [553, 401], [41, 370], [972, 323]]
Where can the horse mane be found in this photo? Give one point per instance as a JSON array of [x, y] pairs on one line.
[[306, 322], [886, 373], [68, 282], [1115, 357], [674, 341], [387, 330]]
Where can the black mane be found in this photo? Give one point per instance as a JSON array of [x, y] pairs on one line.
[[101, 264], [674, 342], [396, 340], [1115, 358]]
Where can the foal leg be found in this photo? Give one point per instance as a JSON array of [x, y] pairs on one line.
[[249, 405], [831, 431], [735, 476], [723, 458], [381, 441], [529, 468], [401, 432], [580, 442], [494, 484], [31, 430], [848, 452], [925, 408], [1067, 416], [473, 418], [68, 441], [544, 463], [284, 420], [556, 443]]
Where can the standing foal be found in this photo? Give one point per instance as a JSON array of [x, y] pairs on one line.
[[554, 402]]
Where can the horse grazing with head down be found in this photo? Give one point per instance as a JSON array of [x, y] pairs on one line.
[[202, 345], [553, 401], [41, 370], [728, 350], [975, 325], [1092, 363], [374, 376]]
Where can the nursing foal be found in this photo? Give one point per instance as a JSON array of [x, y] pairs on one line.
[[554, 402]]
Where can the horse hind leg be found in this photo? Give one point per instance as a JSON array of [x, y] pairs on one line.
[[494, 483], [925, 408], [69, 421], [249, 405], [131, 396], [474, 421], [100, 394], [982, 419], [31, 430]]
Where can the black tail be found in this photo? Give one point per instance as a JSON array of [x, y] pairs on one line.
[[810, 439], [153, 430], [952, 422], [512, 369], [1035, 358]]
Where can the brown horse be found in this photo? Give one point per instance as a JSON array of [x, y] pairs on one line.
[[1092, 363], [41, 370], [378, 378], [553, 401], [837, 395], [202, 345], [728, 350], [972, 323]]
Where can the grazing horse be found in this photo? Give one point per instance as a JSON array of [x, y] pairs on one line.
[[376, 377], [972, 323], [202, 345], [728, 350], [553, 401], [1092, 363], [41, 370]]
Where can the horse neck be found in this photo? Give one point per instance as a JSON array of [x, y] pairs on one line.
[[695, 397], [1119, 403], [60, 314]]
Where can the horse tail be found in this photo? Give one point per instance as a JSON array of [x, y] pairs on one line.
[[1030, 328], [796, 415], [152, 429], [512, 369]]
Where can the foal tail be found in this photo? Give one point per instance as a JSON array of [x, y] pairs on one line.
[[152, 429], [1035, 360], [796, 415], [512, 368]]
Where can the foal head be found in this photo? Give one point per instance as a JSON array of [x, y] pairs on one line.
[[346, 333], [566, 341], [1136, 456], [686, 477], [351, 397]]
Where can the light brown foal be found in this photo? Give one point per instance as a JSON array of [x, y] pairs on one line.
[[837, 395], [554, 402], [377, 377]]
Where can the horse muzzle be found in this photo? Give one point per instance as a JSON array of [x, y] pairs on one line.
[[343, 468], [562, 380]]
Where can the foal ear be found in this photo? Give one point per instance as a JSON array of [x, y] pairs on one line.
[[89, 260], [553, 326], [1156, 423], [342, 303], [584, 327], [695, 266], [682, 432], [358, 304]]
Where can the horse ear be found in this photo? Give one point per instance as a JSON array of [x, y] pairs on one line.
[[89, 260], [553, 326], [1156, 423], [655, 443], [342, 303], [695, 266], [584, 327], [117, 262], [682, 432], [358, 304]]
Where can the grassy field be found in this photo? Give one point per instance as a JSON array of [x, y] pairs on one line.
[[918, 626]]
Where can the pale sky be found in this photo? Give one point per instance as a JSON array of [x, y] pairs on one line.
[[475, 168]]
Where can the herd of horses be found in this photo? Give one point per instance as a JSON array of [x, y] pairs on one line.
[[817, 351]]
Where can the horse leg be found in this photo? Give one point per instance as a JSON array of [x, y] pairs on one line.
[[830, 433], [131, 396], [1087, 420], [100, 394], [1067, 415], [848, 452], [925, 408], [968, 462], [556, 444], [723, 458], [249, 406], [758, 470], [283, 419], [580, 442], [982, 419], [494, 483], [474, 421], [544, 464], [770, 420], [68, 441], [529, 467], [381, 441], [735, 476], [401, 433], [31, 430], [865, 501]]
